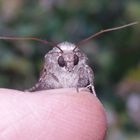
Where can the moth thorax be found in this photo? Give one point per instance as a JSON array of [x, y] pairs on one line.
[[66, 46]]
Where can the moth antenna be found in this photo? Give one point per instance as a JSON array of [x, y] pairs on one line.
[[29, 38], [25, 38], [104, 31]]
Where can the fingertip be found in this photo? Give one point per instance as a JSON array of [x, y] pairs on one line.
[[79, 114], [59, 114]]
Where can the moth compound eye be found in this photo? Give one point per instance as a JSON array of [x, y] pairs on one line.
[[61, 61], [76, 59]]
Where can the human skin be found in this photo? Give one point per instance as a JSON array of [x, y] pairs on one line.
[[60, 114]]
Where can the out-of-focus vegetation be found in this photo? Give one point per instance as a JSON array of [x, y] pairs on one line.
[[114, 56]]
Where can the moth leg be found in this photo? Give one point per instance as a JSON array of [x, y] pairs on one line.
[[37, 87], [91, 89], [90, 78], [84, 89], [77, 89]]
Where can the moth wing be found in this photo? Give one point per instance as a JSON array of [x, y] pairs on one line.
[[40, 85]]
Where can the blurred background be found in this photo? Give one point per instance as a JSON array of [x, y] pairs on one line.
[[114, 56]]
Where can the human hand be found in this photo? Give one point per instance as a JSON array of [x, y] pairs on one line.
[[60, 114]]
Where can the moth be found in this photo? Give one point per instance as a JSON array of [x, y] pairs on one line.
[[65, 66]]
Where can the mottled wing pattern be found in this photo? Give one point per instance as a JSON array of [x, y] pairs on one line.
[[47, 80], [91, 78], [40, 85], [86, 78]]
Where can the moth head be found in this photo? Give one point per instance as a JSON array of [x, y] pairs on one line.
[[69, 57]]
